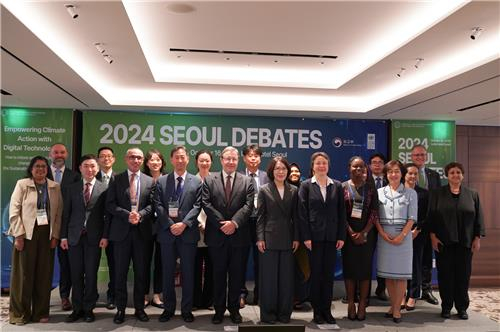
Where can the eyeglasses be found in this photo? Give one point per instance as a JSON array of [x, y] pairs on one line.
[[135, 157], [230, 159], [40, 166], [106, 156], [418, 154]]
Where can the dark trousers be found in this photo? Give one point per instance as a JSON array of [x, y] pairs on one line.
[[416, 278], [131, 248], [254, 251], [454, 265], [322, 259], [169, 254], [64, 273], [203, 279], [228, 275], [301, 284], [111, 271], [276, 285], [153, 254], [31, 278], [427, 264], [85, 258]]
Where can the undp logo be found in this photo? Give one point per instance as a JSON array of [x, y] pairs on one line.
[[337, 142]]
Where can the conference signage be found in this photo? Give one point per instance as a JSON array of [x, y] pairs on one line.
[[26, 133]]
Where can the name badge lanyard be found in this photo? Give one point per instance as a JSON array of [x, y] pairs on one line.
[[357, 208], [173, 205], [41, 213], [135, 203]]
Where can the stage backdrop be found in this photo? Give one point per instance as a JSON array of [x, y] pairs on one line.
[[294, 138], [27, 133]]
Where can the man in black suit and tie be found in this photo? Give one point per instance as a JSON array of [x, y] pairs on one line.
[[178, 202], [83, 234], [129, 202], [430, 180], [227, 199], [252, 158], [65, 177], [106, 160]]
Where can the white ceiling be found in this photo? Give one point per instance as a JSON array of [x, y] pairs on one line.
[[49, 60]]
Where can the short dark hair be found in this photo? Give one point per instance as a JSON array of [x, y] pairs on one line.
[[105, 148], [406, 166], [391, 163], [272, 165], [149, 155], [177, 148], [87, 157], [453, 164], [199, 153], [32, 164], [316, 155], [354, 158], [252, 148], [376, 155]]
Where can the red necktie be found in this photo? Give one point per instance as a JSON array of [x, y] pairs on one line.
[[86, 193], [227, 189]]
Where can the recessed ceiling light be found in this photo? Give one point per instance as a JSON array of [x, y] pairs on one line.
[[180, 8]]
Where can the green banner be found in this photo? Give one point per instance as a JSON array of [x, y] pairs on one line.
[[26, 133], [437, 136]]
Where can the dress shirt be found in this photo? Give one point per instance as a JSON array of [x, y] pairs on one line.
[[323, 189]]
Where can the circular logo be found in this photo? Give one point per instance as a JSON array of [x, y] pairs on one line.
[[397, 125], [337, 142]]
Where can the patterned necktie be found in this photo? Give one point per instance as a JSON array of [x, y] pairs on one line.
[[228, 189], [86, 193], [421, 179], [133, 188], [105, 179], [378, 182], [180, 187], [254, 179], [58, 175]]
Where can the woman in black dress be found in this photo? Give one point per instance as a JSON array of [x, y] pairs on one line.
[[361, 204]]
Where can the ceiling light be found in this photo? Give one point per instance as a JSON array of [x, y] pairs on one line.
[[418, 62], [401, 72], [71, 11], [108, 58], [476, 32], [99, 47]]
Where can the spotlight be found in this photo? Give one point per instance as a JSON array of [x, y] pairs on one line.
[[418, 62], [71, 11], [476, 32], [99, 47], [108, 58], [401, 72]]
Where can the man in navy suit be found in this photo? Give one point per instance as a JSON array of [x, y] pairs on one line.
[[178, 203], [252, 158], [65, 177], [227, 199], [129, 202], [83, 234]]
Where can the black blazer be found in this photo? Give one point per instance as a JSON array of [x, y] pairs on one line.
[[456, 221], [189, 208], [433, 179], [68, 177], [75, 212], [217, 209], [277, 221], [118, 205], [423, 208], [322, 220]]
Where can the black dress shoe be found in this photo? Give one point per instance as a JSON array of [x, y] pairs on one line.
[[165, 316], [88, 316], [158, 305], [73, 317], [388, 315], [119, 317], [396, 320], [218, 318], [318, 318], [445, 313], [462, 314], [187, 317], [141, 315], [110, 304], [268, 321], [236, 317], [429, 298], [329, 319], [284, 320]]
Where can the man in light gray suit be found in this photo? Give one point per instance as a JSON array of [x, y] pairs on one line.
[[178, 204], [83, 233]]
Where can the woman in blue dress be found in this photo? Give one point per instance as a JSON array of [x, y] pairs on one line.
[[397, 213]]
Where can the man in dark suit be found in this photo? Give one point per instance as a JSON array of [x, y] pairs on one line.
[[227, 199], [376, 164], [129, 202], [65, 177], [252, 158], [430, 180], [83, 234], [178, 202], [106, 160]]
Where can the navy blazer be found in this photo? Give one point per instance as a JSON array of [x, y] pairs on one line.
[[75, 212], [322, 220], [118, 205], [68, 178], [189, 208], [217, 209]]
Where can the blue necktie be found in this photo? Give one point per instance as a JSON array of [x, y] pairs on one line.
[[378, 183], [180, 187], [58, 175]]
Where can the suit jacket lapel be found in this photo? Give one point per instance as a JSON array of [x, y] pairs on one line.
[[96, 192], [317, 191], [187, 183], [276, 195], [219, 183]]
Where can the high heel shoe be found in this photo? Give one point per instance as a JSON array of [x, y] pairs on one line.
[[361, 314], [351, 312]]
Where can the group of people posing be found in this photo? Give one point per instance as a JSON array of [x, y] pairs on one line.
[[212, 221]]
